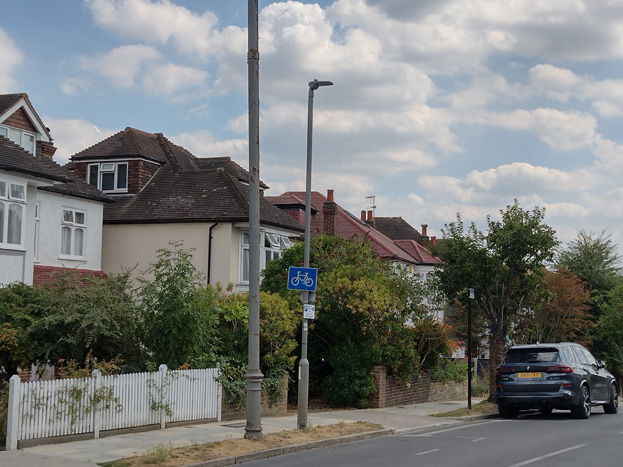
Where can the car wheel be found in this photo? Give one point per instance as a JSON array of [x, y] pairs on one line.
[[546, 411], [507, 412], [613, 405], [583, 409]]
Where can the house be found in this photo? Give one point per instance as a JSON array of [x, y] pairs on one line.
[[50, 220], [163, 193], [328, 217], [406, 237]]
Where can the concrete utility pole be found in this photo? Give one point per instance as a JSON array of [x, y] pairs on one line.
[[253, 430], [303, 394]]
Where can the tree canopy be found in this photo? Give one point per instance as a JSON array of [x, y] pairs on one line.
[[504, 266]]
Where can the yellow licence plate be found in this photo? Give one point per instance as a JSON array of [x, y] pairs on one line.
[[533, 374]]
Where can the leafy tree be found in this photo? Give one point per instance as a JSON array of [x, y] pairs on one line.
[[504, 267], [608, 333], [560, 315], [596, 261], [178, 312]]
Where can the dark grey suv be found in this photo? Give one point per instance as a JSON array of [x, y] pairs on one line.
[[553, 376]]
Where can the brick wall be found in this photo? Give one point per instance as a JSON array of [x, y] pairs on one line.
[[391, 393], [19, 119], [46, 274], [271, 407]]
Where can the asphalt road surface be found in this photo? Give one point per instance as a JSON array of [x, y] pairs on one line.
[[531, 440]]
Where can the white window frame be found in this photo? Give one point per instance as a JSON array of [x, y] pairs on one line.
[[20, 137], [73, 232], [12, 197], [107, 168], [37, 222], [271, 243]]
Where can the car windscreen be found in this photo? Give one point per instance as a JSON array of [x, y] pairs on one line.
[[531, 356]]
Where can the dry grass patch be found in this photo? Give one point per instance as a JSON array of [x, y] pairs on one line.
[[164, 456], [484, 407]]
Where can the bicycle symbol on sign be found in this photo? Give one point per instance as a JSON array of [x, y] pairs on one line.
[[301, 278]]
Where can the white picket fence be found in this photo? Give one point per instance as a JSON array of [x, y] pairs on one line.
[[44, 409]]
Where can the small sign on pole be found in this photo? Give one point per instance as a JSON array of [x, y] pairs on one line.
[[309, 311]]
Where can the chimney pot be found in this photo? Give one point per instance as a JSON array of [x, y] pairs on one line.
[[363, 215], [370, 218], [433, 240], [424, 226], [329, 195]]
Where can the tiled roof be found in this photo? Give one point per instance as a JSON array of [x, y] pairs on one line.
[[9, 100], [15, 159], [185, 188], [417, 251], [396, 228], [129, 142], [346, 225]]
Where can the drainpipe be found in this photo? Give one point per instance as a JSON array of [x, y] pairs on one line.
[[210, 249]]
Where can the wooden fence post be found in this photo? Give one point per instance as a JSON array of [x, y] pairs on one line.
[[97, 412], [13, 413]]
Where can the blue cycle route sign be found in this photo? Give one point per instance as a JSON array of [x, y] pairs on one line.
[[302, 278]]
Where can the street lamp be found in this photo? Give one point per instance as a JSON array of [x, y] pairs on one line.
[[304, 363]]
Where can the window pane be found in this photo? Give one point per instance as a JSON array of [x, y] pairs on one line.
[[108, 181], [79, 220], [4, 132], [245, 265], [108, 167], [68, 216], [2, 189], [245, 238], [17, 191], [78, 242], [28, 142], [14, 233], [122, 176], [93, 170], [66, 241], [15, 136]]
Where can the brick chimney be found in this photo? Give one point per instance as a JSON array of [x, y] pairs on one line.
[[424, 227], [328, 212], [45, 149]]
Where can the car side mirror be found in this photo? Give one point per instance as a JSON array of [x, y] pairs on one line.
[[601, 364]]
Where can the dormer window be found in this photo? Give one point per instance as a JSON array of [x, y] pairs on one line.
[[23, 139], [109, 177]]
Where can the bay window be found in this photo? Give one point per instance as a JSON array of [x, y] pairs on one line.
[[12, 213]]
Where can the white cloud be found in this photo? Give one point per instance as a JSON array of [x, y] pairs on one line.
[[156, 22], [122, 65], [170, 79], [10, 57], [73, 135], [205, 144]]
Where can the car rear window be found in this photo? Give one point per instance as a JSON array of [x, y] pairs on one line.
[[532, 356]]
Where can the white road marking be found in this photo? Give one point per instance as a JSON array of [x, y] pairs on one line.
[[473, 438], [551, 454], [426, 435], [426, 452]]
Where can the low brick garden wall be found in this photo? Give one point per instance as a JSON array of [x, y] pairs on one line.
[[271, 407], [391, 393]]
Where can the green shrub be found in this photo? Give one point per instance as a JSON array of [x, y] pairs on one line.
[[453, 370], [4, 407]]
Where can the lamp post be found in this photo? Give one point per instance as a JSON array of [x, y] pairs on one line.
[[253, 377], [304, 363], [469, 348]]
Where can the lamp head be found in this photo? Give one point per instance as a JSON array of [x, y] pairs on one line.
[[315, 84]]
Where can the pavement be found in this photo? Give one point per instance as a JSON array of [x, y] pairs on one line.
[[91, 452]]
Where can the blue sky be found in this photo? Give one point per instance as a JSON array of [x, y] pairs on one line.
[[439, 107]]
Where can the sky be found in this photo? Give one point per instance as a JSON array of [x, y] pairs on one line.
[[438, 107]]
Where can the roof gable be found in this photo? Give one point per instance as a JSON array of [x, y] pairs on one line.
[[11, 104]]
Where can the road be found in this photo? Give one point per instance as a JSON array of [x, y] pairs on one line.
[[531, 440]]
